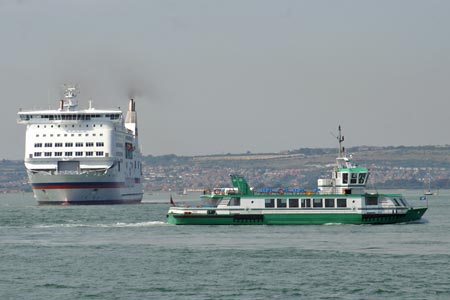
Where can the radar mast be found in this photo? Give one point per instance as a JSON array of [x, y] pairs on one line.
[[70, 91]]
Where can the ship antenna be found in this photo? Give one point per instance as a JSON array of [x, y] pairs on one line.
[[340, 139]]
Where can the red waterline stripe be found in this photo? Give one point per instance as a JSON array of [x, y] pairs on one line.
[[76, 185]]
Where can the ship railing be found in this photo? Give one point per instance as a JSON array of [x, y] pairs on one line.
[[43, 172], [385, 210], [221, 191], [281, 191], [67, 172], [79, 172]]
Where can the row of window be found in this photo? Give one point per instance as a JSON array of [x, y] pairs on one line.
[[354, 178], [68, 154], [65, 126], [70, 144], [294, 202], [70, 117], [72, 134]]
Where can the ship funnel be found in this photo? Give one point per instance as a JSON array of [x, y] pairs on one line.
[[131, 105], [131, 118]]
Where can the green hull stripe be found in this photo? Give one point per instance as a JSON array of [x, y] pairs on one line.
[[295, 219]]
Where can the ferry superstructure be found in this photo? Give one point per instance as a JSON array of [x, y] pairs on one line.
[[340, 199], [83, 156]]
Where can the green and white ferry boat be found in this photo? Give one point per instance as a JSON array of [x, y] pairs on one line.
[[341, 200]]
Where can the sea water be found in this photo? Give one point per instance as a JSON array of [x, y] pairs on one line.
[[130, 252]]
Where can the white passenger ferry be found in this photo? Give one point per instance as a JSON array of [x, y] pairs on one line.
[[83, 156], [340, 199]]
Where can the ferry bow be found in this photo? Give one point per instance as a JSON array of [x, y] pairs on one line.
[[82, 156]]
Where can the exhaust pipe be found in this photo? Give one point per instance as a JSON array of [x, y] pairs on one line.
[[131, 105]]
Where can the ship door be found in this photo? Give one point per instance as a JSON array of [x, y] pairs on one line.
[[371, 204], [68, 166]]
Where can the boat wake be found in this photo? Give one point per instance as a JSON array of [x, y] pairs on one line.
[[141, 224], [112, 225]]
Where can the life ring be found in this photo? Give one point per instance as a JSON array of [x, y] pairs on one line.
[[280, 191], [217, 191]]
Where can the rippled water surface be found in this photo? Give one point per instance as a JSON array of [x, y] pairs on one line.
[[130, 252]]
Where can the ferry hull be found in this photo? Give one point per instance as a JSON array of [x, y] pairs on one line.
[[83, 190], [295, 219]]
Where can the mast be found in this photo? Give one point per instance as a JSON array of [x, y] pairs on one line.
[[340, 139], [70, 93]]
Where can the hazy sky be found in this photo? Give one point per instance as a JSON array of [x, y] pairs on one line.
[[232, 76]]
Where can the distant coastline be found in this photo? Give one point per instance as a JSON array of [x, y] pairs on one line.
[[408, 167]]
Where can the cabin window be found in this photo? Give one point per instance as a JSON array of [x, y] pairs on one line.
[[89, 153], [361, 178], [341, 202], [69, 144], [99, 153], [37, 154], [396, 202], [306, 202], [353, 178], [58, 144], [78, 144], [48, 154], [329, 202], [78, 153], [58, 153], [235, 201], [317, 203], [270, 203], [281, 203], [345, 178], [68, 154], [38, 145], [48, 145], [100, 144], [371, 200], [89, 144], [293, 202], [402, 202]]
